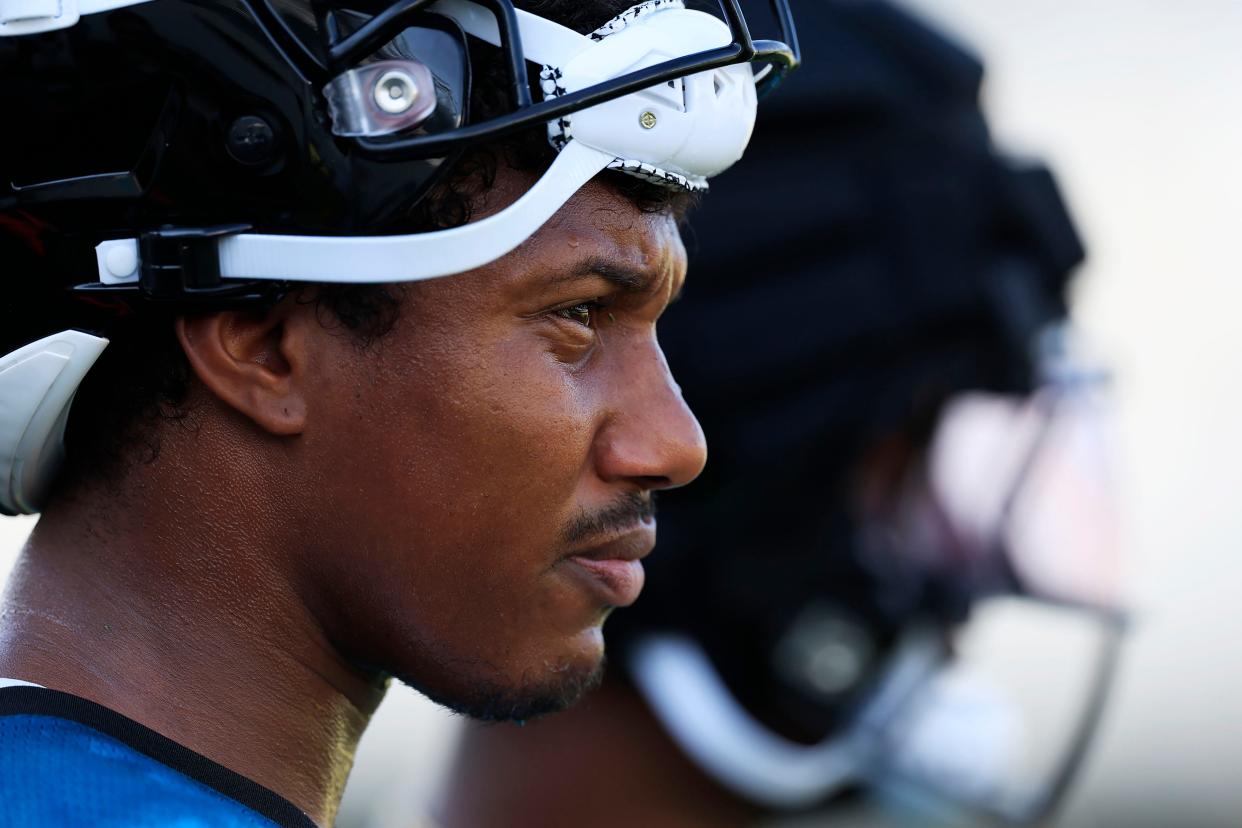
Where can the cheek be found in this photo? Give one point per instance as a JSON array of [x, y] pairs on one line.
[[475, 458], [497, 431], [478, 456]]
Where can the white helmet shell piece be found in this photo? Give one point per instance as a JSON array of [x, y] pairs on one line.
[[37, 384], [678, 134], [24, 17]]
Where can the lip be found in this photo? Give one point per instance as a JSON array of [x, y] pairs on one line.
[[613, 570]]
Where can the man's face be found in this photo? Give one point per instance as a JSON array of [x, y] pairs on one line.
[[483, 474]]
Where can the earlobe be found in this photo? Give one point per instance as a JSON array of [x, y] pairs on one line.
[[254, 362]]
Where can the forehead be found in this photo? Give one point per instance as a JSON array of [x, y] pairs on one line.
[[602, 223], [597, 230], [598, 221]]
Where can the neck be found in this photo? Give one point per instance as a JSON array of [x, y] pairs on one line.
[[606, 763], [190, 626]]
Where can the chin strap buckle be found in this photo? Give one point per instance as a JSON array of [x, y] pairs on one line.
[[174, 265], [177, 262]]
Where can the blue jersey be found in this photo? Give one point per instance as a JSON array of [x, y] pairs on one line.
[[67, 762]]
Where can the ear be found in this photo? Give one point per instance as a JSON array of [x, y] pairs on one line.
[[254, 361]]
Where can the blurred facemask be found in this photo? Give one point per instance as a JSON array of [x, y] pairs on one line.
[[1014, 506], [985, 708]]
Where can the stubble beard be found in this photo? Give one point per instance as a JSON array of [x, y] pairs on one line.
[[490, 701]]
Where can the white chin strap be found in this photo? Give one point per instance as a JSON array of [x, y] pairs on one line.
[[676, 134], [692, 702], [413, 257], [37, 384]]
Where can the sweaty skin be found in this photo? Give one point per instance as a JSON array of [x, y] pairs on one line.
[[328, 514]]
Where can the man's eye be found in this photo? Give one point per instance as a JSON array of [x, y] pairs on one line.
[[584, 313]]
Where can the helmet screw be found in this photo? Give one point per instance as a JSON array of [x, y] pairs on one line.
[[251, 140], [647, 120], [395, 92]]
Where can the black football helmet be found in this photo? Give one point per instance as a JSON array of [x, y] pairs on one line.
[[205, 153]]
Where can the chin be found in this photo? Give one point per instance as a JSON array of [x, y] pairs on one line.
[[556, 684]]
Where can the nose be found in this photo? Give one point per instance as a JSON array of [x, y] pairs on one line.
[[650, 438]]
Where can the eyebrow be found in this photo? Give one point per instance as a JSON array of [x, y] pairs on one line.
[[628, 279]]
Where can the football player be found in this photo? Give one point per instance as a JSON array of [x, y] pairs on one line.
[[329, 355]]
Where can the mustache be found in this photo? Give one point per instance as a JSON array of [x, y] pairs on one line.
[[623, 513]]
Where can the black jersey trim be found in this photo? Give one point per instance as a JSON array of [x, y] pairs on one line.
[[40, 701]]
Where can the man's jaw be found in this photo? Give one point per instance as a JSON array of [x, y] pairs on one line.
[[491, 701], [601, 554]]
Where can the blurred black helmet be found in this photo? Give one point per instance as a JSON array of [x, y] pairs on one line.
[[875, 258]]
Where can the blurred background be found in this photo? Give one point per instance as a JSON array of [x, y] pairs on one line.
[[1137, 107]]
